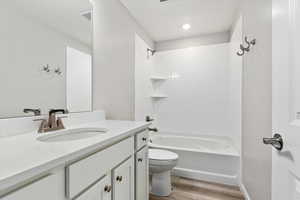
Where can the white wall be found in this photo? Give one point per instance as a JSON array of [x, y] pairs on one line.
[[27, 45], [208, 39], [114, 59], [257, 99], [203, 89], [143, 86], [198, 94], [235, 82]]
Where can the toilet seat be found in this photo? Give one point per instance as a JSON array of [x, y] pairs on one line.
[[162, 155]]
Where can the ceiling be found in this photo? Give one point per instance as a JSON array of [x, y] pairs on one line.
[[164, 20], [65, 16]]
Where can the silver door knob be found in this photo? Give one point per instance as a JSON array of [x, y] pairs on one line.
[[275, 141]]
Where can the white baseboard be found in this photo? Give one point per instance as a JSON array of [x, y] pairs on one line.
[[206, 176], [244, 191]]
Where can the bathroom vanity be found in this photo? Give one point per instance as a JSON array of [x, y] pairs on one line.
[[111, 165], [79, 155]]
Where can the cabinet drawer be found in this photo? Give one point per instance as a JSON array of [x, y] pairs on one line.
[[141, 140], [47, 188], [85, 172]]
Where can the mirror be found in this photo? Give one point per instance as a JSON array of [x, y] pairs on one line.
[[45, 56]]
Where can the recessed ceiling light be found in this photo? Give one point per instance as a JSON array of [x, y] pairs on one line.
[[186, 26]]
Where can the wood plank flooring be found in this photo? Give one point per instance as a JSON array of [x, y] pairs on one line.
[[187, 189]]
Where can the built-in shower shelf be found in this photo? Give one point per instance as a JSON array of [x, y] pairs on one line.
[[158, 96], [158, 78]]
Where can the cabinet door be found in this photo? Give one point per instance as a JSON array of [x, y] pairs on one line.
[[102, 190], [123, 181], [142, 174]]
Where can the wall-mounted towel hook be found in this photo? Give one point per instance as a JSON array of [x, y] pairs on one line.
[[46, 68], [247, 48], [250, 43], [242, 50], [240, 53], [58, 71]]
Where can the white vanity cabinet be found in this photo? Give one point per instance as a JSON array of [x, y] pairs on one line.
[[123, 181], [87, 171], [119, 186], [142, 174], [46, 188], [107, 174], [141, 140], [141, 166], [102, 190]]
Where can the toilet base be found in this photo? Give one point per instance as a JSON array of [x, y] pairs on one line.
[[161, 184]]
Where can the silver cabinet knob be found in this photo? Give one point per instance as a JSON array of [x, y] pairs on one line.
[[140, 159], [275, 141], [144, 139]]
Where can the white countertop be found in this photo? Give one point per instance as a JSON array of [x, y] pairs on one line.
[[23, 157]]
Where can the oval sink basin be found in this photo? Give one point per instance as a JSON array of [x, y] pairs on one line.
[[71, 134]]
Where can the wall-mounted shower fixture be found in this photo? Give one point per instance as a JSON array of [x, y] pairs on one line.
[[244, 49], [152, 51], [149, 119]]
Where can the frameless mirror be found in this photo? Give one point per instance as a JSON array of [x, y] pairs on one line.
[[45, 56]]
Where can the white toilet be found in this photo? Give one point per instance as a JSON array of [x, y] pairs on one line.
[[161, 162]]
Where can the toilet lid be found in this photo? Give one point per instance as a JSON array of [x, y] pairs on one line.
[[158, 154]]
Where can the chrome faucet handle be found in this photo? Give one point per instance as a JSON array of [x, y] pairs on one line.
[[54, 111], [36, 112]]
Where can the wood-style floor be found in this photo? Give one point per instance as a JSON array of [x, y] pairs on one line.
[[187, 189]]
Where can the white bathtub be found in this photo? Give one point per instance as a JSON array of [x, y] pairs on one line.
[[205, 158]]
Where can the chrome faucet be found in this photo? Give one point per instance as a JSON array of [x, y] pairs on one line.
[[53, 123]]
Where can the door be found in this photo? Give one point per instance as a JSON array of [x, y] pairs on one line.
[[142, 175], [78, 80], [286, 99], [123, 181], [102, 190]]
